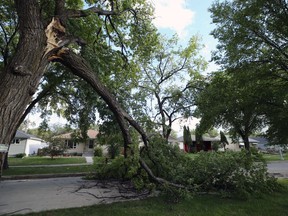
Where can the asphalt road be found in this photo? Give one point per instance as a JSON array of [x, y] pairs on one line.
[[279, 168], [34, 195]]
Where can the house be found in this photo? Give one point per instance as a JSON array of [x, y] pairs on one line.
[[262, 144], [80, 148], [237, 145], [206, 145], [252, 142], [232, 145], [24, 143]]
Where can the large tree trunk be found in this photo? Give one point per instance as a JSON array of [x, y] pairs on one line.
[[246, 143], [21, 76]]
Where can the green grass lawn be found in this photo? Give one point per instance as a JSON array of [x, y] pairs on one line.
[[206, 205], [44, 160], [47, 170], [192, 155], [274, 157], [267, 157]]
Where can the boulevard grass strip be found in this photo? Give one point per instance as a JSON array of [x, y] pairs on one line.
[[208, 205], [275, 157], [267, 157], [45, 161], [12, 171]]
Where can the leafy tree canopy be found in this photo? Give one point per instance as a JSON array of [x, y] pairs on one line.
[[227, 102], [252, 37], [170, 80]]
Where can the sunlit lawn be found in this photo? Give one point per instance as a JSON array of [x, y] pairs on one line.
[[275, 157], [207, 205], [268, 157], [47, 170], [45, 160]]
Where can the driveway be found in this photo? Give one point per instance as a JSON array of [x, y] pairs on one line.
[[34, 195]]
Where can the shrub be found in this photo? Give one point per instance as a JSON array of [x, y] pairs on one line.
[[122, 168], [98, 151], [215, 146], [231, 173], [257, 155], [20, 155], [114, 150], [228, 173], [234, 173], [56, 147]]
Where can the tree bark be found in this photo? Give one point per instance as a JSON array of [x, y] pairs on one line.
[[20, 78], [246, 143]]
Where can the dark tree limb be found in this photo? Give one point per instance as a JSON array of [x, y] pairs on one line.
[[157, 179], [84, 13], [82, 69]]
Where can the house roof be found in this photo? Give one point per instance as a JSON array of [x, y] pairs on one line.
[[90, 133], [172, 139], [250, 140], [261, 140], [22, 135]]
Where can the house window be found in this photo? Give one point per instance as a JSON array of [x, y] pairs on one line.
[[16, 141], [91, 144], [70, 144]]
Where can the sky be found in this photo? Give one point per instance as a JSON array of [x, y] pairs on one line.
[[186, 18]]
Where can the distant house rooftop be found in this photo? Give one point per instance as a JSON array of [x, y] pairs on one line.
[[90, 133], [22, 135]]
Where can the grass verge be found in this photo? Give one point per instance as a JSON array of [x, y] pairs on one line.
[[208, 205], [274, 157], [45, 161], [47, 170], [267, 157]]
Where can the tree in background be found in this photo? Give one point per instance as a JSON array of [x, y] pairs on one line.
[[169, 83], [223, 140], [253, 34], [199, 138], [187, 140], [55, 147], [227, 102]]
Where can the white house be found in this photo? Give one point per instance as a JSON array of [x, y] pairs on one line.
[[25, 143], [81, 148]]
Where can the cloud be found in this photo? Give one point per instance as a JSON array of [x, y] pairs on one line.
[[173, 14]]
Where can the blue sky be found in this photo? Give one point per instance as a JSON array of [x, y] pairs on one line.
[[186, 18]]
